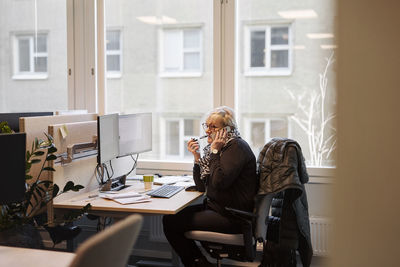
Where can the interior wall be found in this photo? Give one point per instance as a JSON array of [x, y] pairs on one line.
[[366, 196]]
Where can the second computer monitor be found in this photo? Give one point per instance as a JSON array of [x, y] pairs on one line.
[[12, 166], [135, 133], [108, 137]]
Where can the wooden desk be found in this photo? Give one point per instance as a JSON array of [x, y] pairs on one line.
[[27, 257], [110, 208]]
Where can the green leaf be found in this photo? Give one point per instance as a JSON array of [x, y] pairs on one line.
[[51, 157], [28, 177], [38, 153], [34, 161], [49, 169], [68, 186], [77, 187], [56, 189]]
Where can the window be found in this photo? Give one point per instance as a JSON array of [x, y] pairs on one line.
[[113, 53], [177, 134], [285, 54], [181, 52], [261, 131], [30, 56], [268, 50]]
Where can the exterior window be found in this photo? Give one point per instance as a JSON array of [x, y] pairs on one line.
[[261, 131], [30, 56], [181, 53], [113, 53], [177, 134], [268, 50]]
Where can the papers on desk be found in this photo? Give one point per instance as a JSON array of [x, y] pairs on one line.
[[170, 179], [126, 198]]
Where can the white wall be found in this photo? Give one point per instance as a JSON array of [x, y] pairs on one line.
[[367, 198]]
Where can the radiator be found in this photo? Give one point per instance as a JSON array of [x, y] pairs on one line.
[[320, 235]]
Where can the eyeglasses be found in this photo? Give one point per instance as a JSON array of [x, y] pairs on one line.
[[208, 126]]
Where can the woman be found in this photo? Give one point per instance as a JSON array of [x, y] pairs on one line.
[[227, 173]]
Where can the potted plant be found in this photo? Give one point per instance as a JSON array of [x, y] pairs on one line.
[[19, 221]]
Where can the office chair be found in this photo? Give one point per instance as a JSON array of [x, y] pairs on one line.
[[237, 246], [282, 176], [110, 247]]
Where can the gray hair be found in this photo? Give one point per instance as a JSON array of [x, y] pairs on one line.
[[226, 114]]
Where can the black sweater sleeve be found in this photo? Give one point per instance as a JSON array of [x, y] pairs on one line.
[[200, 186]]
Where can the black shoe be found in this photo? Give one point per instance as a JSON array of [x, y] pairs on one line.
[[202, 262], [60, 233]]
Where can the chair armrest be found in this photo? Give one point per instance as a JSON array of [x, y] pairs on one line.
[[241, 214]]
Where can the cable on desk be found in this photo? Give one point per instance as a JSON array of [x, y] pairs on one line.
[[134, 163]]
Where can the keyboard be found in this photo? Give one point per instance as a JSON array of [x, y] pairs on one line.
[[165, 191]]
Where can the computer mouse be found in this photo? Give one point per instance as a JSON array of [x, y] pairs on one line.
[[191, 188]]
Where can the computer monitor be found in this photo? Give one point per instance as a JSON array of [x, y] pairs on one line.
[[12, 166], [13, 118], [108, 137], [135, 133]]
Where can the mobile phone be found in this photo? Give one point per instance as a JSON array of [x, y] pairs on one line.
[[227, 128]]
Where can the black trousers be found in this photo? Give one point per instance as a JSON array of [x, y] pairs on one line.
[[196, 217]]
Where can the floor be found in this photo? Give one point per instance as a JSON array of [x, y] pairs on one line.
[[316, 262]]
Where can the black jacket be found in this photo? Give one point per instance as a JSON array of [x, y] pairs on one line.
[[281, 166]]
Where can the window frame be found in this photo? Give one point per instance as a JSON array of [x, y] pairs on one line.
[[115, 74], [267, 70], [181, 72], [31, 74]]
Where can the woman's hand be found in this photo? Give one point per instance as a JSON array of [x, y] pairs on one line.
[[193, 147], [219, 140]]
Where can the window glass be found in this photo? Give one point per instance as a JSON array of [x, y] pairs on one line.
[[40, 64], [167, 62], [40, 45], [285, 75], [181, 44], [113, 52], [279, 59], [113, 63], [24, 55], [279, 35], [33, 56], [112, 40], [257, 48], [191, 39], [172, 50], [257, 135], [192, 61]]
